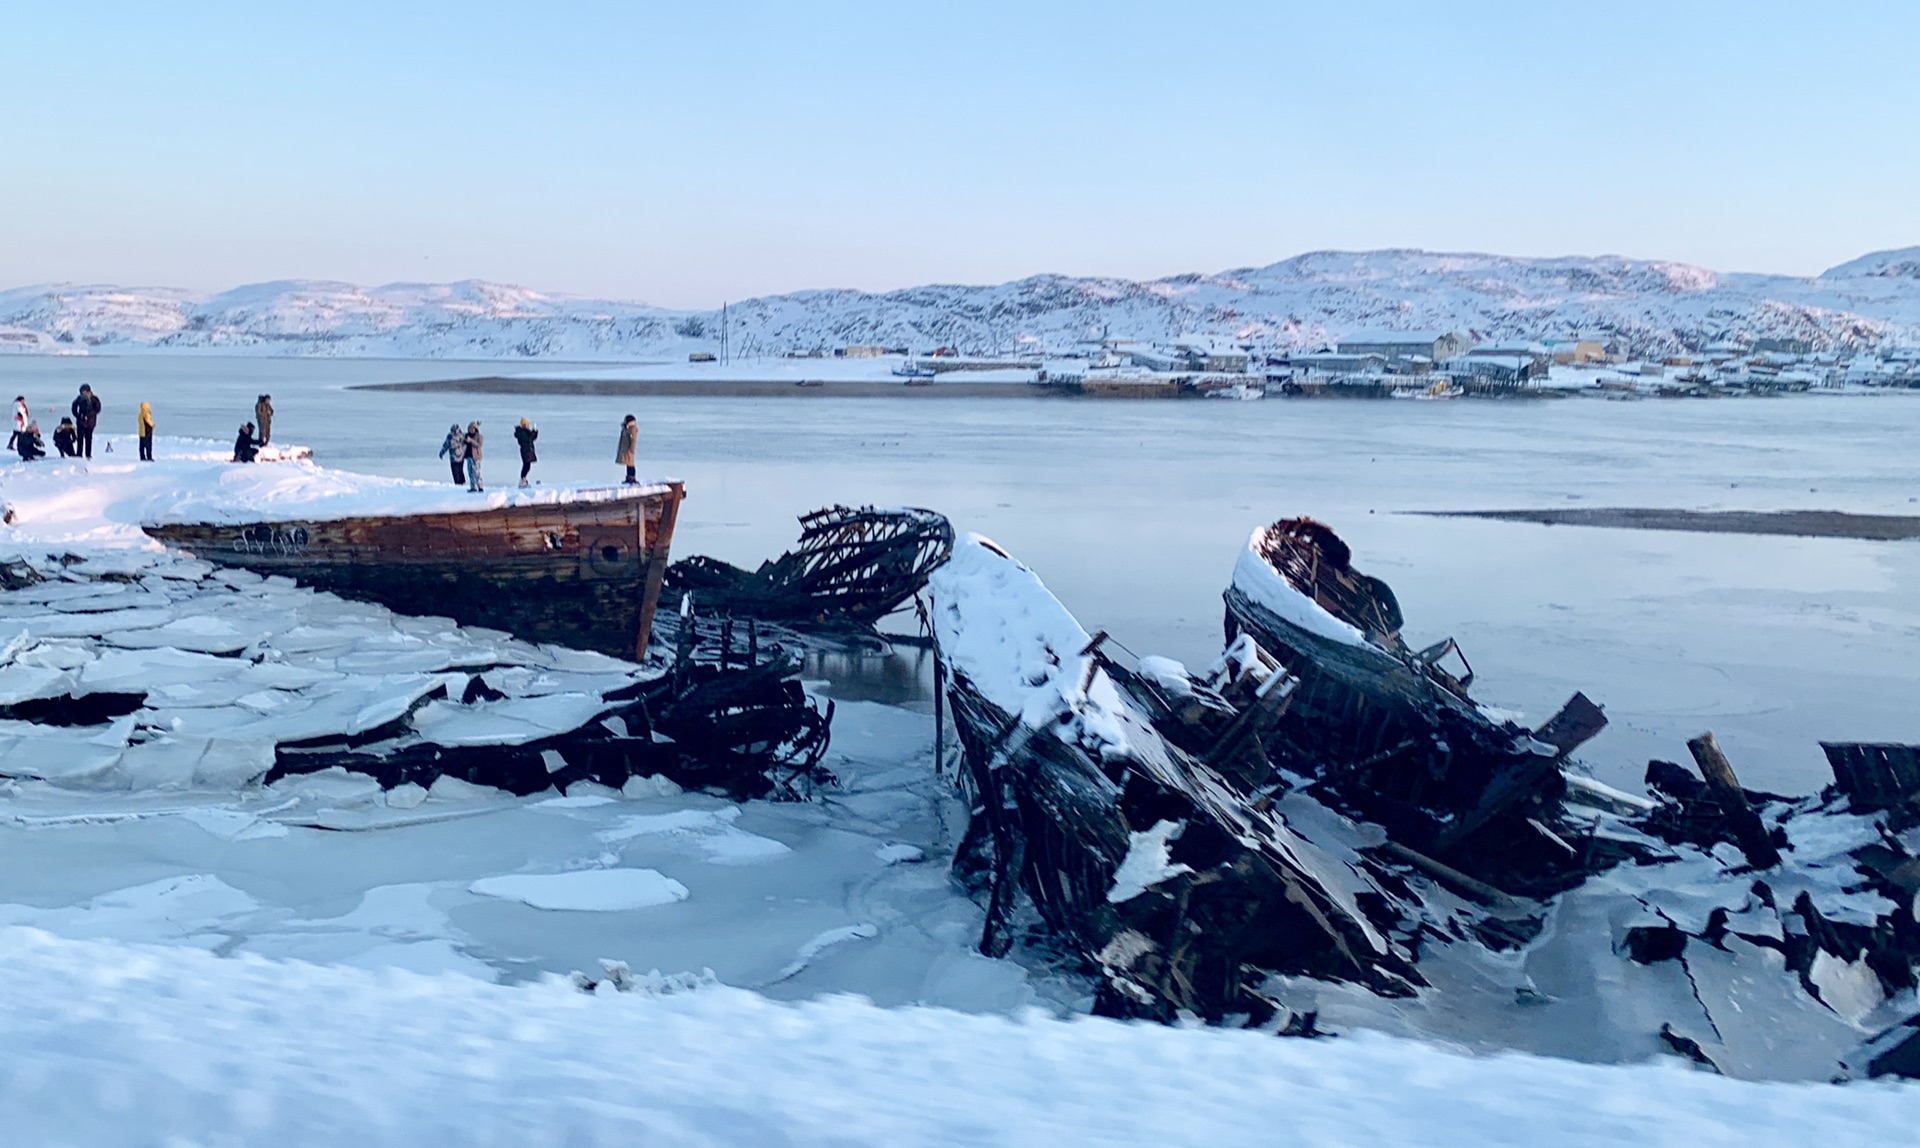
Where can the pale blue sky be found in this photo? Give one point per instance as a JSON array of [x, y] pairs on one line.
[[687, 153]]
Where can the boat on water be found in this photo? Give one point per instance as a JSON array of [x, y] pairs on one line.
[[581, 570]]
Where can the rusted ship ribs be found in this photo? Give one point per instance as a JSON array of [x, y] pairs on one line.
[[850, 568], [584, 571]]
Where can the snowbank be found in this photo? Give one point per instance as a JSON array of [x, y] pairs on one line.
[[108, 1044]]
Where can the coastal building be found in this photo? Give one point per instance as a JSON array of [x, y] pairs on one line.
[[1536, 353], [1326, 363], [1495, 370], [1191, 355], [1578, 351], [1433, 346]]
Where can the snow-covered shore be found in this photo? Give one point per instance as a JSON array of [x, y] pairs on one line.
[[108, 1044]]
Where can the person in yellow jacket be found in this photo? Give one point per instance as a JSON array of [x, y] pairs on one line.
[[146, 432]]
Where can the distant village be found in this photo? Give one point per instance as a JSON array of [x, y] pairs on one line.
[[1407, 364]]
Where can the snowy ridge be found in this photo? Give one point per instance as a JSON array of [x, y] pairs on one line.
[[110, 1044], [1648, 305]]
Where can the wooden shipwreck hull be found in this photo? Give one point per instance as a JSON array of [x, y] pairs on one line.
[[1183, 891], [584, 572], [1391, 731], [1175, 830]]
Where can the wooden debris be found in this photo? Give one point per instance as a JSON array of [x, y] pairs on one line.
[[851, 568]]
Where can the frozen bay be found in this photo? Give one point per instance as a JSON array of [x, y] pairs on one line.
[[1133, 513]]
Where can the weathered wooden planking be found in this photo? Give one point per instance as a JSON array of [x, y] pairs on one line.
[[583, 573]]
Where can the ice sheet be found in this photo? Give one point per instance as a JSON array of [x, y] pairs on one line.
[[586, 890]]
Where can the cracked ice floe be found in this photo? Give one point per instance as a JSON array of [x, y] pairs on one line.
[[232, 666], [585, 890], [711, 832], [820, 943]]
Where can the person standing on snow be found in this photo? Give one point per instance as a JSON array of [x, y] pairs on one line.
[[263, 418], [86, 412], [473, 443], [454, 450], [146, 432], [21, 417], [524, 434], [629, 443]]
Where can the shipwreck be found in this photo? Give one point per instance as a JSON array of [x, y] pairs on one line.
[[583, 570], [851, 567], [1322, 831]]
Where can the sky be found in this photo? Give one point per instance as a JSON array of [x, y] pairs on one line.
[[689, 153]]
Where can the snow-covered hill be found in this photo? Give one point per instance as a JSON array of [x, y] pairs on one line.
[[1300, 302]]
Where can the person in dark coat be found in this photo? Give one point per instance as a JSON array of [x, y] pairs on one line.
[[29, 444], [65, 438], [244, 446], [524, 434], [263, 417], [629, 445], [474, 442], [86, 413], [454, 450]]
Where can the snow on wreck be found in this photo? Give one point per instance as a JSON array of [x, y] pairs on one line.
[[1182, 888], [1233, 844]]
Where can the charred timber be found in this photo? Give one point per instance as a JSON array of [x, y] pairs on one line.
[[585, 572], [1390, 732], [851, 568], [1183, 891], [728, 717], [1146, 817]]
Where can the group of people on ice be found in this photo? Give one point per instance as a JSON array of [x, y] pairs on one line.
[[73, 438], [465, 449]]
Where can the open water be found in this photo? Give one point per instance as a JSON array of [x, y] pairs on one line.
[[1133, 512]]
